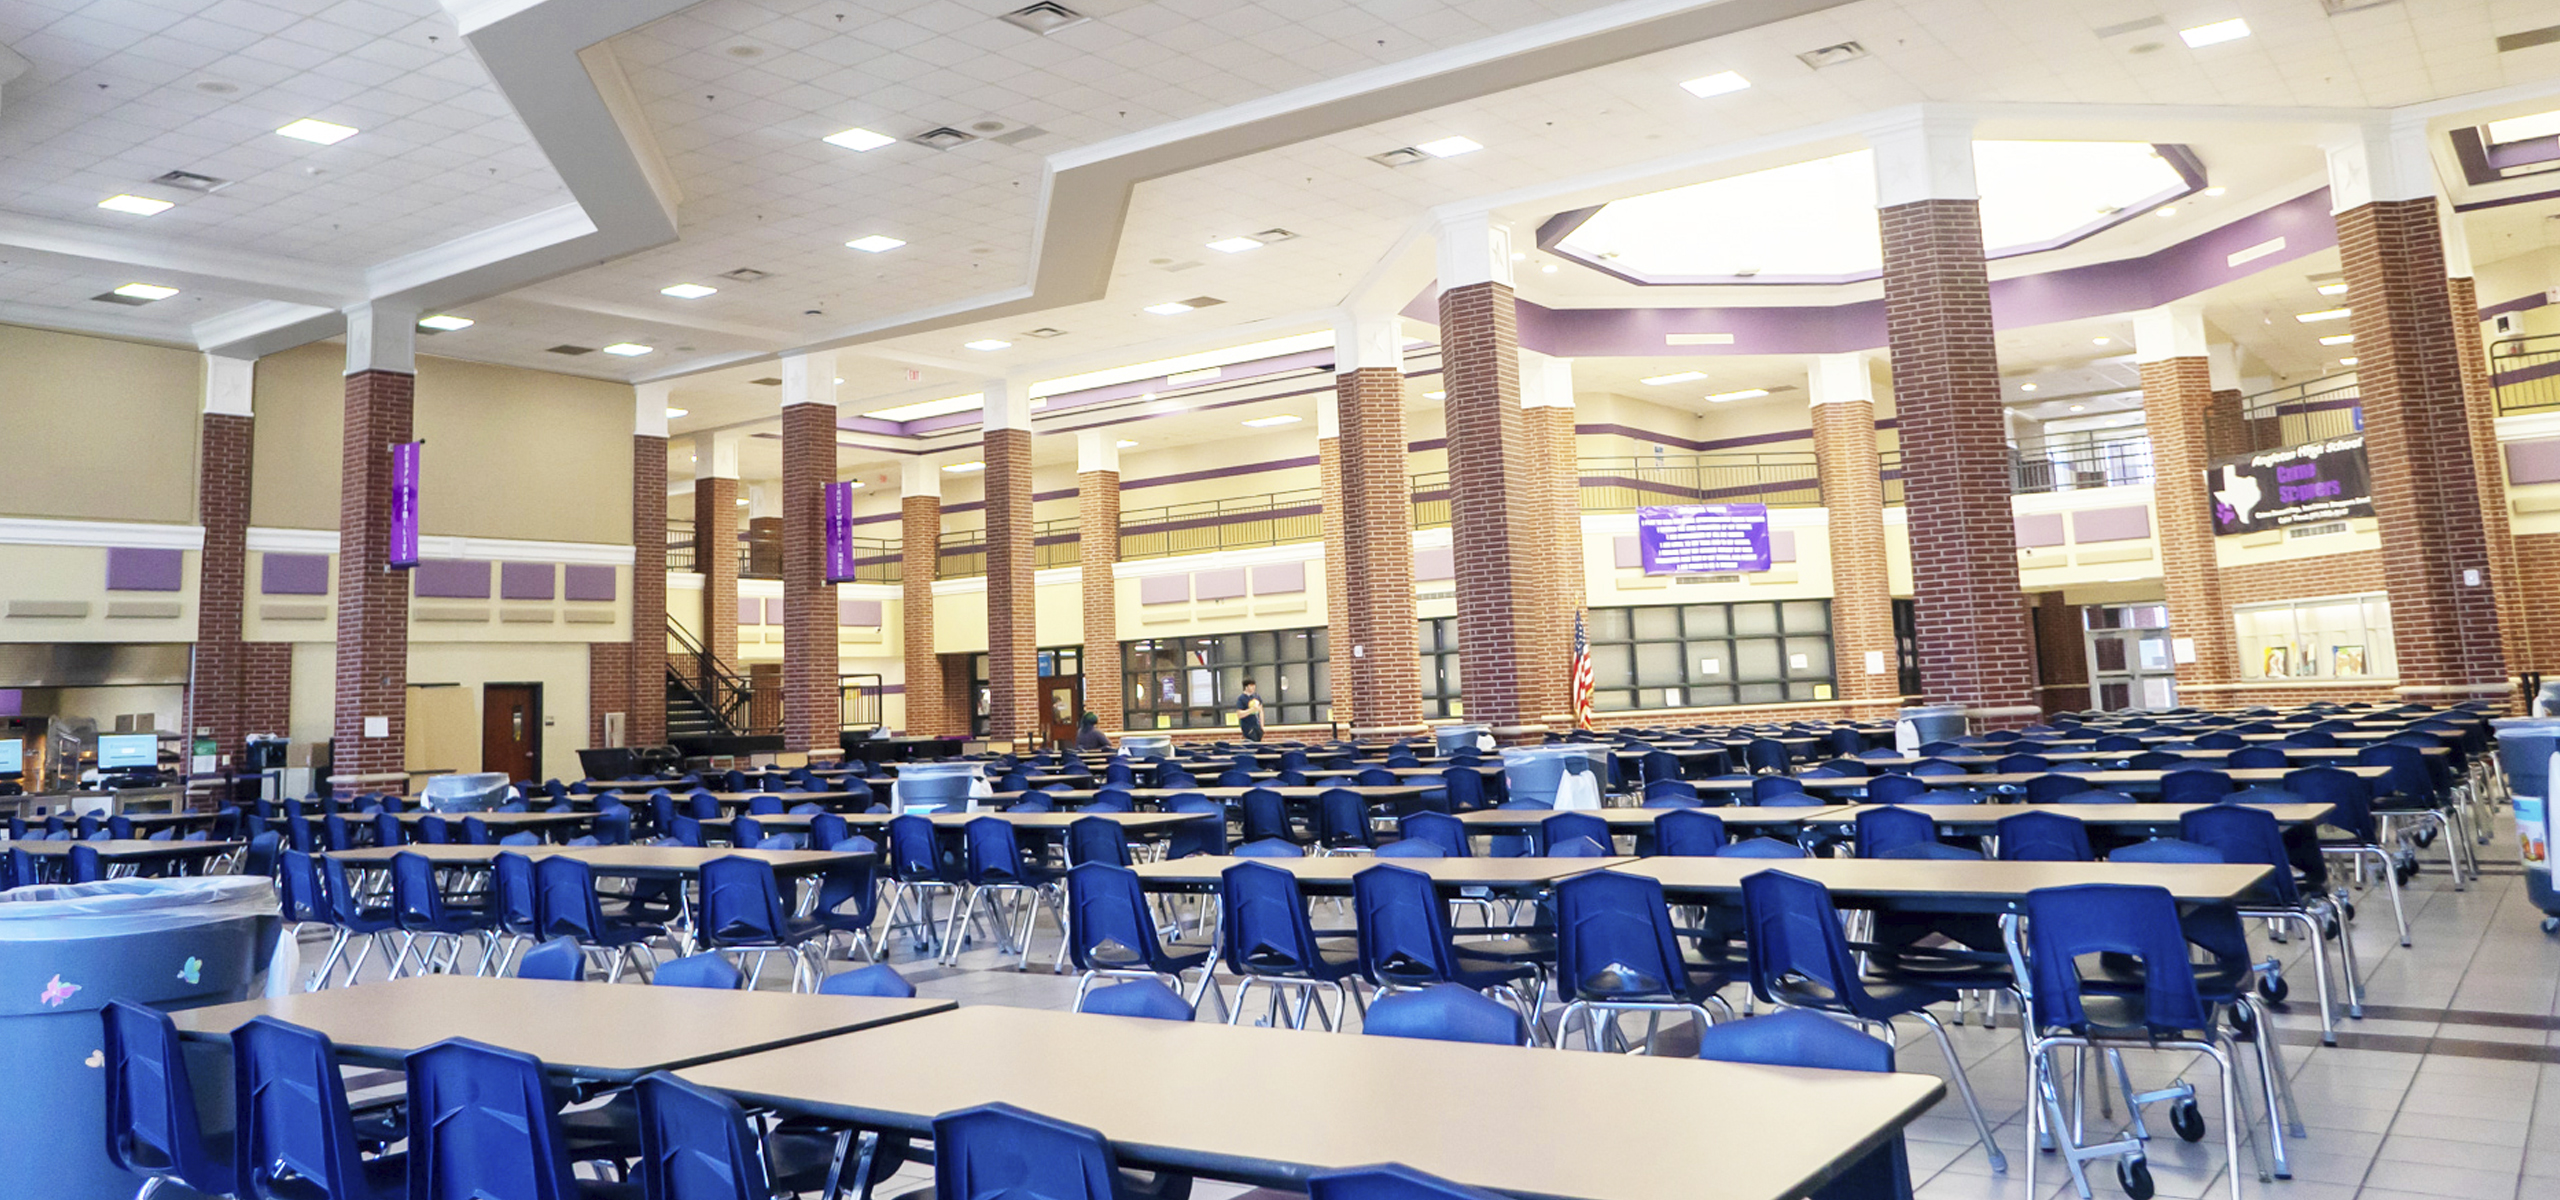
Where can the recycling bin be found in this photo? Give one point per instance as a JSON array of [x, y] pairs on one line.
[[1147, 745], [65, 951], [1452, 739], [1928, 723], [937, 787], [2526, 749], [1533, 773]]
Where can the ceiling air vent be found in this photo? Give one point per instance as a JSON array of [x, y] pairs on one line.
[[112, 298], [1269, 236], [1402, 157], [1044, 18], [572, 351], [1203, 301], [746, 275], [193, 182], [2528, 38], [1832, 56], [943, 138], [1043, 332], [2335, 7]]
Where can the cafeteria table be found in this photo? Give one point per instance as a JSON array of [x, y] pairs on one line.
[[2134, 783], [1943, 886], [739, 801], [610, 1033], [1969, 820], [1641, 820], [1375, 794], [133, 852], [2209, 760], [500, 823], [1270, 1106], [629, 862], [1331, 874]]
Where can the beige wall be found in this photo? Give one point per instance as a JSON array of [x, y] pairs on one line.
[[98, 429]]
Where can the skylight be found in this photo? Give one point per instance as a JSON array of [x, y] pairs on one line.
[[2521, 129]]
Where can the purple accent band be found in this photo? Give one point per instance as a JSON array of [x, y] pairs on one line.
[[1677, 492], [2536, 461], [130, 569], [294, 575], [1226, 584], [1279, 579], [2128, 523], [2525, 374], [526, 581], [588, 583], [1281, 464], [452, 579]]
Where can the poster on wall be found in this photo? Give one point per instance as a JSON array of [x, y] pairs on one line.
[[1703, 539], [403, 550], [840, 532], [2297, 485]]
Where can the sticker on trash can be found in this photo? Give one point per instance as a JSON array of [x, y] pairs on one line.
[[192, 971], [97, 1058], [55, 992]]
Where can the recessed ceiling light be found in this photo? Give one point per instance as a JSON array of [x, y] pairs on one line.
[[2348, 361], [987, 344], [2026, 387], [1715, 85], [1674, 377], [858, 139], [1234, 245], [2216, 190], [1435, 395], [1126, 443], [2326, 314], [1744, 394], [965, 468], [324, 132], [630, 349], [1449, 147], [2333, 289], [743, 501], [2337, 339], [1268, 422], [875, 244], [2079, 408], [140, 206], [1169, 308], [1516, 256], [673, 412], [688, 291], [442, 323], [2100, 341], [2165, 210], [2215, 34], [1548, 269], [146, 291]]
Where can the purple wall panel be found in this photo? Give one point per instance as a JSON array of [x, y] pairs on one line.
[[136, 570], [2536, 461], [750, 611], [1628, 553], [2131, 523], [294, 575], [526, 581], [451, 579], [1218, 585], [1434, 565], [1164, 589], [1782, 545], [1279, 579], [862, 614], [2040, 529], [589, 583]]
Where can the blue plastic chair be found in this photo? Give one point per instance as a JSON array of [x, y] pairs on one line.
[[994, 869], [1147, 998], [1761, 847], [2194, 786], [419, 913], [1342, 822], [1882, 830], [743, 913], [706, 970], [1208, 835], [696, 1144], [1404, 939], [1097, 840], [1616, 953], [1807, 1039], [152, 1126], [295, 1134], [1266, 816], [558, 959], [1446, 1012], [1389, 1181], [571, 908], [1270, 848], [1779, 790], [999, 1152], [1672, 793], [878, 979], [483, 1125], [2043, 837], [1689, 833], [1441, 830], [1466, 789], [1565, 827], [1111, 931], [1895, 789], [1269, 942]]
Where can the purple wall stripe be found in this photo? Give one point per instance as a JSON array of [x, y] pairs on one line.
[[131, 569], [294, 575], [450, 579], [526, 581], [2525, 374], [589, 582]]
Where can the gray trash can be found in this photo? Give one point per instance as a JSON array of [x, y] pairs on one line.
[[935, 787], [1928, 723], [2526, 747], [464, 793], [1532, 773], [1147, 745], [1450, 739], [65, 950]]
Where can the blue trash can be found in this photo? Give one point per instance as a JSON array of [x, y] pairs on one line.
[[1532, 773], [1455, 739], [2526, 747], [936, 787], [65, 950]]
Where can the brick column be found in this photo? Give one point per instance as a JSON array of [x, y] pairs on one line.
[[2488, 458], [1337, 587], [1493, 493], [373, 599], [1974, 642], [1852, 473], [919, 561], [2417, 421], [1013, 681], [810, 720], [715, 542], [233, 688], [1097, 550], [1378, 663], [647, 724], [2177, 405], [608, 691], [1555, 494]]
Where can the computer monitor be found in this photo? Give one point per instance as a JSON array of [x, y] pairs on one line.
[[13, 756], [122, 751]]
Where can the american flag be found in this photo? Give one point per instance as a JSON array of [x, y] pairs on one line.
[[1583, 680]]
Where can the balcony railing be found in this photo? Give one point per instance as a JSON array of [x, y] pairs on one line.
[[1431, 500], [2119, 459], [1780, 479], [2525, 372], [875, 560], [2296, 413], [1270, 519], [964, 551]]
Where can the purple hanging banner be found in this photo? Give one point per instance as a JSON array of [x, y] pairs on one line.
[[840, 532], [404, 504]]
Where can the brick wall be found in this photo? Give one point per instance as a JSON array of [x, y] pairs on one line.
[[810, 720], [214, 687], [715, 558], [919, 559], [1975, 645], [765, 696], [648, 726], [608, 689], [266, 687], [373, 600], [1493, 515], [1013, 682], [1556, 526], [1844, 450], [2225, 430], [2178, 404], [958, 697], [1097, 548], [1383, 678], [2538, 566], [2300, 578], [2418, 443], [2489, 469], [1337, 588]]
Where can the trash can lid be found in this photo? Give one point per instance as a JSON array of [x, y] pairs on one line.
[[2526, 727], [1934, 710], [52, 911]]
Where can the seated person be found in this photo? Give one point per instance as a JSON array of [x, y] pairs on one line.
[[1089, 735]]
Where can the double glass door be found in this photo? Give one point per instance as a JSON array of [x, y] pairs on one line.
[[2131, 662]]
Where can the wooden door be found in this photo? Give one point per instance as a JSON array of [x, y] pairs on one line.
[[1061, 707], [511, 730]]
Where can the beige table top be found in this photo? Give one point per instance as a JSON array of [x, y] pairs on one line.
[[1488, 820], [1372, 791], [128, 848], [607, 860], [534, 820], [2143, 815], [1334, 872], [1270, 1106], [1946, 886], [2097, 780], [2206, 759], [1056, 821], [607, 1031]]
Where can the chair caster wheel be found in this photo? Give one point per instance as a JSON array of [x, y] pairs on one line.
[[2426, 837], [2134, 1175], [2274, 989], [2551, 924], [2188, 1120], [2350, 910], [2244, 1026]]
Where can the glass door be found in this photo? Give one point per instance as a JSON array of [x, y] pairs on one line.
[[2130, 660]]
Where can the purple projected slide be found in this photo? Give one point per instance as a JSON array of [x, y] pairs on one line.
[[1703, 539]]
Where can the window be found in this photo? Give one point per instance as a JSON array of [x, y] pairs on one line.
[[1701, 655], [1193, 682], [1061, 660], [1438, 638], [2332, 637], [1906, 646]]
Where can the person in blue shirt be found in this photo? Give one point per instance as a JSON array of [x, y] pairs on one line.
[[1250, 704]]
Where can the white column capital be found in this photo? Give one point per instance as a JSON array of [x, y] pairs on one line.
[[2380, 160], [809, 378], [1328, 414], [1545, 381], [764, 500], [920, 476], [2167, 332], [230, 385], [1097, 450], [1922, 153], [1841, 379], [715, 455], [382, 337], [1366, 341], [1474, 248], [2457, 242], [649, 408], [2222, 364], [1007, 405]]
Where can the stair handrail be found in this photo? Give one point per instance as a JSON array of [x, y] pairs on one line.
[[723, 694]]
